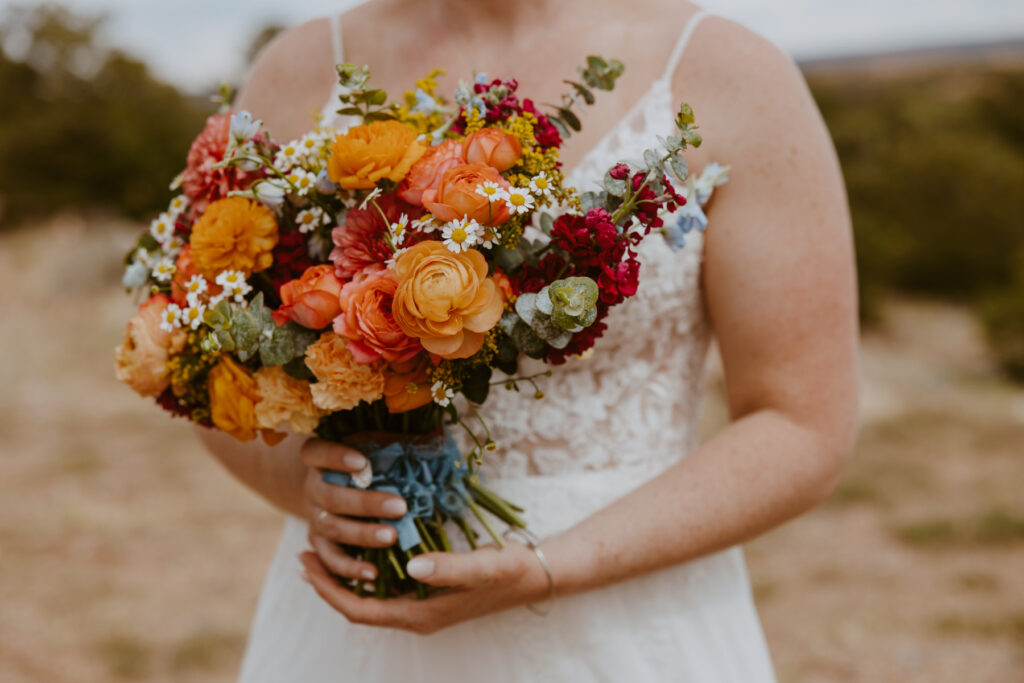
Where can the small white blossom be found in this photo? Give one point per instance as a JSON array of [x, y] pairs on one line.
[[488, 236], [310, 219], [162, 227], [270, 192], [230, 279], [541, 185], [394, 257], [164, 270], [426, 224], [173, 245], [399, 227], [171, 319], [311, 145], [491, 190], [370, 197], [244, 126], [144, 257], [302, 181], [196, 285], [519, 200], [442, 394], [135, 275], [192, 315], [289, 155], [459, 235], [178, 205]]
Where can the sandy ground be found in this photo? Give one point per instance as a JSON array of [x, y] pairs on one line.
[[126, 554]]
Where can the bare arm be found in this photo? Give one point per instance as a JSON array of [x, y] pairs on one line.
[[780, 287]]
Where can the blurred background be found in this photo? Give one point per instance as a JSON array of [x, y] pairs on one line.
[[127, 554]]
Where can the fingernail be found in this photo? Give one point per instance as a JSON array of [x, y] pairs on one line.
[[385, 535], [394, 507], [368, 574], [354, 461], [420, 567]]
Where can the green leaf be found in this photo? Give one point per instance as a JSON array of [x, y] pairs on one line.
[[685, 116], [376, 97], [596, 63], [278, 348], [563, 130], [478, 384], [679, 167], [226, 341], [547, 223], [583, 91], [507, 259], [653, 160], [614, 187], [213, 318], [350, 111], [297, 369], [379, 115], [301, 336], [245, 331], [570, 118]]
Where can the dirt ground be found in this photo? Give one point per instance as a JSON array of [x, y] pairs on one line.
[[127, 554]]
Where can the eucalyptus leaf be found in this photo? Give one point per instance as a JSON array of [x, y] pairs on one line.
[[583, 91], [653, 160], [547, 223], [226, 341], [278, 348], [507, 259], [570, 119], [526, 307], [244, 330], [614, 186], [679, 167], [527, 341]]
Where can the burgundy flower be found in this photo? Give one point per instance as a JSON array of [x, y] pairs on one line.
[[544, 131], [291, 259], [361, 244], [619, 171], [619, 282]]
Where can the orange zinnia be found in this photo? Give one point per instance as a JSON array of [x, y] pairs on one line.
[[233, 234]]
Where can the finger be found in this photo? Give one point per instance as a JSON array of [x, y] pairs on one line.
[[482, 567], [367, 611], [352, 502], [340, 563], [352, 532], [325, 455]]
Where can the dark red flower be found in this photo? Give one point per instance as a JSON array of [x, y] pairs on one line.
[[291, 259], [619, 171], [619, 282], [544, 131], [361, 244]]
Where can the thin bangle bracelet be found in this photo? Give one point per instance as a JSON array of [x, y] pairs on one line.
[[531, 541]]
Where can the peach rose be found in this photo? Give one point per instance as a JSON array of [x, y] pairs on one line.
[[285, 399], [492, 147], [456, 195], [341, 382], [233, 399], [141, 359], [368, 153], [312, 300], [367, 322], [426, 173], [407, 384], [233, 234], [445, 299]]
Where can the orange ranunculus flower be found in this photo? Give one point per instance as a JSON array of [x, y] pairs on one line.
[[456, 195], [341, 382], [426, 173], [407, 384], [285, 399], [141, 359], [312, 300], [233, 398], [367, 322], [368, 153], [233, 234], [492, 147], [445, 299]]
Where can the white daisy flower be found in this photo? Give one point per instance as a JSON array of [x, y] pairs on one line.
[[231, 279], [541, 185], [178, 205], [370, 197], [288, 155], [491, 190], [459, 235], [310, 219], [171, 319], [488, 236], [311, 145], [442, 394], [173, 245], [302, 181], [195, 285], [162, 227], [399, 227], [424, 224], [144, 257], [164, 269], [192, 315], [519, 200], [394, 257]]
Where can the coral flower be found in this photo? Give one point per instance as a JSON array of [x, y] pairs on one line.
[[445, 299], [342, 383], [183, 272], [312, 300], [360, 244], [204, 184], [367, 322], [233, 398], [141, 359], [233, 234], [456, 195], [426, 173], [371, 152], [492, 147], [407, 384], [285, 399]]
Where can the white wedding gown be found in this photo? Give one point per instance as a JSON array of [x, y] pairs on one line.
[[608, 423]]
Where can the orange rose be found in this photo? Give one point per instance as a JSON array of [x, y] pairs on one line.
[[456, 195], [407, 384], [233, 399], [141, 360], [445, 299], [285, 399], [312, 300], [233, 234], [342, 383], [426, 173], [368, 153], [492, 147], [367, 322]]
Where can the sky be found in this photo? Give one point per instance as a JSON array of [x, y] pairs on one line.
[[197, 44]]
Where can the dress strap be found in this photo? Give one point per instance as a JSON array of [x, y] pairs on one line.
[[684, 38], [337, 40]]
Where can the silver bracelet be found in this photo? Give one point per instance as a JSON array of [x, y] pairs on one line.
[[530, 540]]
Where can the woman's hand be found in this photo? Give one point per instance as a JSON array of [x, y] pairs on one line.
[[334, 511], [484, 581]]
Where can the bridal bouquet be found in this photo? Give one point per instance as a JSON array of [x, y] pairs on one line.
[[351, 284]]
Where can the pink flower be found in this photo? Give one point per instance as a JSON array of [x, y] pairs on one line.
[[366, 321], [426, 173], [361, 246], [141, 360], [204, 184], [312, 300]]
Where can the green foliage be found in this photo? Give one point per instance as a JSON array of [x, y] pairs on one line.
[[598, 74], [248, 331], [81, 126]]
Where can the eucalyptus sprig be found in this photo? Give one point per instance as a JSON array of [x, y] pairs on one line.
[[371, 104], [598, 74]]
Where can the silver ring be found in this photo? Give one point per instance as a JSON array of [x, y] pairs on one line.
[[531, 541], [322, 516]]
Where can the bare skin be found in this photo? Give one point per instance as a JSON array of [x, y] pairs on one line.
[[779, 281]]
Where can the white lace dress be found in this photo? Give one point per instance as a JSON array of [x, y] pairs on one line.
[[608, 423]]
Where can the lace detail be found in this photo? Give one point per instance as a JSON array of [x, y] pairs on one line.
[[635, 400]]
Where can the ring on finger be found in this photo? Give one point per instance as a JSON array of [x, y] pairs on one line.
[[322, 516]]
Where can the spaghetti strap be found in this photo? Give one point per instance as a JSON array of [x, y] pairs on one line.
[[684, 38], [337, 40]]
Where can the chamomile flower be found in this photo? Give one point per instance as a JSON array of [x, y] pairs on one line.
[[541, 185], [289, 155], [394, 257], [399, 227], [171, 318], [164, 269], [369, 198], [162, 227], [144, 257], [302, 181], [425, 223], [310, 219], [488, 236], [442, 394], [178, 205], [491, 190], [196, 285], [173, 245], [311, 145], [192, 315], [231, 280], [519, 200], [459, 235]]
